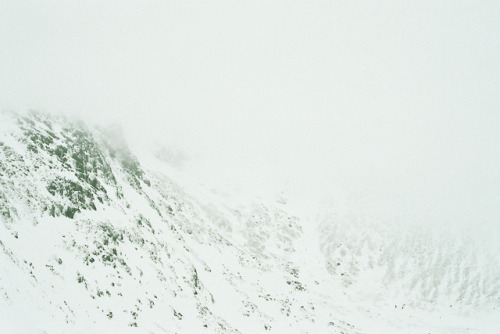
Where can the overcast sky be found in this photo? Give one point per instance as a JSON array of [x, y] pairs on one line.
[[393, 99]]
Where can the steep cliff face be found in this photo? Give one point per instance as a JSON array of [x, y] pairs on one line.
[[92, 240]]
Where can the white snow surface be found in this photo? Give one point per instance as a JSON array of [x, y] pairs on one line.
[[95, 240]]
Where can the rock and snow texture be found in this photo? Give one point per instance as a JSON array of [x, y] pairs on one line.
[[94, 241]]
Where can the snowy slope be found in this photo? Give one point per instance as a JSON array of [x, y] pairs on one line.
[[94, 240]]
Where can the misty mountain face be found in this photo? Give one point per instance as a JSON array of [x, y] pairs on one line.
[[88, 236], [91, 240], [413, 266]]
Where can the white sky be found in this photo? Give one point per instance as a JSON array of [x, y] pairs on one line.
[[396, 100]]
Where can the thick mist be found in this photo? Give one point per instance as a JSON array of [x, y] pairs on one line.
[[392, 107]]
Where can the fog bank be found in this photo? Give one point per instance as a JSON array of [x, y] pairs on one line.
[[394, 105]]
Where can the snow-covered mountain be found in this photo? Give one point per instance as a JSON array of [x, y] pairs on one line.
[[92, 240]]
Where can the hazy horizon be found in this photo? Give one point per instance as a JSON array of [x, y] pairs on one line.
[[393, 102]]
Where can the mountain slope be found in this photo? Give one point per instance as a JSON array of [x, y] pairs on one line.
[[93, 240], [90, 239]]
